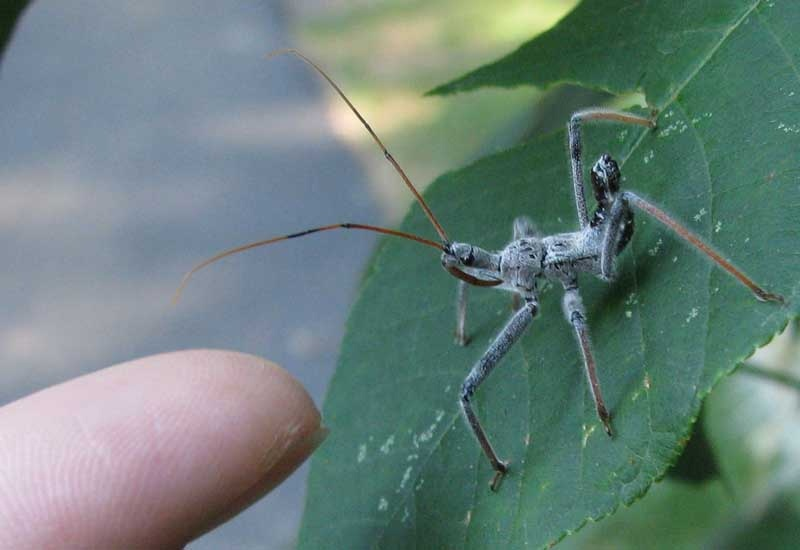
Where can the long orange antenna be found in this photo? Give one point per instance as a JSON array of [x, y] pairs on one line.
[[386, 153], [242, 248]]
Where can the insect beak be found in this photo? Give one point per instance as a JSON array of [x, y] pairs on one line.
[[470, 279]]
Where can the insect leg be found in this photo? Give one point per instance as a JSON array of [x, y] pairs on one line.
[[576, 315], [461, 313], [609, 247], [694, 240], [523, 227], [498, 348], [576, 149], [516, 302]]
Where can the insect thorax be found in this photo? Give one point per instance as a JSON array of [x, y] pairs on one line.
[[522, 262]]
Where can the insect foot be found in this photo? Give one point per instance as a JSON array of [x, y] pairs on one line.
[[499, 474], [605, 418], [764, 296]]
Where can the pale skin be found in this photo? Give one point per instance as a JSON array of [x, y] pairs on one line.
[[151, 453]]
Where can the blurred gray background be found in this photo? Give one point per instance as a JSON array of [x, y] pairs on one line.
[[141, 136]]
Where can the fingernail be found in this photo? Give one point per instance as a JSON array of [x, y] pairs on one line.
[[295, 454], [316, 439]]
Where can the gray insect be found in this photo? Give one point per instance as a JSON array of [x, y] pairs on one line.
[[530, 258]]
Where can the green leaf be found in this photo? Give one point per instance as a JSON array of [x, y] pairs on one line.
[[401, 469], [753, 424], [618, 47]]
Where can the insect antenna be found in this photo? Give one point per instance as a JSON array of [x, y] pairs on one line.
[[386, 153], [265, 242]]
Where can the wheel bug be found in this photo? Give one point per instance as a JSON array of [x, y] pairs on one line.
[[531, 257]]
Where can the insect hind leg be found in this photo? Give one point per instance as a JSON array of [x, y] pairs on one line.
[[576, 315], [681, 231]]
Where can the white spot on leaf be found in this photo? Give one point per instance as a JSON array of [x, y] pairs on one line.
[[362, 453], [789, 128], [700, 214], [653, 251], [387, 446], [677, 126], [587, 433], [406, 477], [697, 119], [427, 435]]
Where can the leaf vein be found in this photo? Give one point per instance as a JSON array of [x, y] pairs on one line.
[[711, 53], [524, 458], [779, 43]]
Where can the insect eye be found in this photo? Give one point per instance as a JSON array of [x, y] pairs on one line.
[[469, 259]]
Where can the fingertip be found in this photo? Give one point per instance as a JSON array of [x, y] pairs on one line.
[[153, 452]]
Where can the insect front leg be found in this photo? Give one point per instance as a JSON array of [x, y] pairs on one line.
[[576, 315], [461, 313], [498, 348], [576, 149], [614, 236]]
